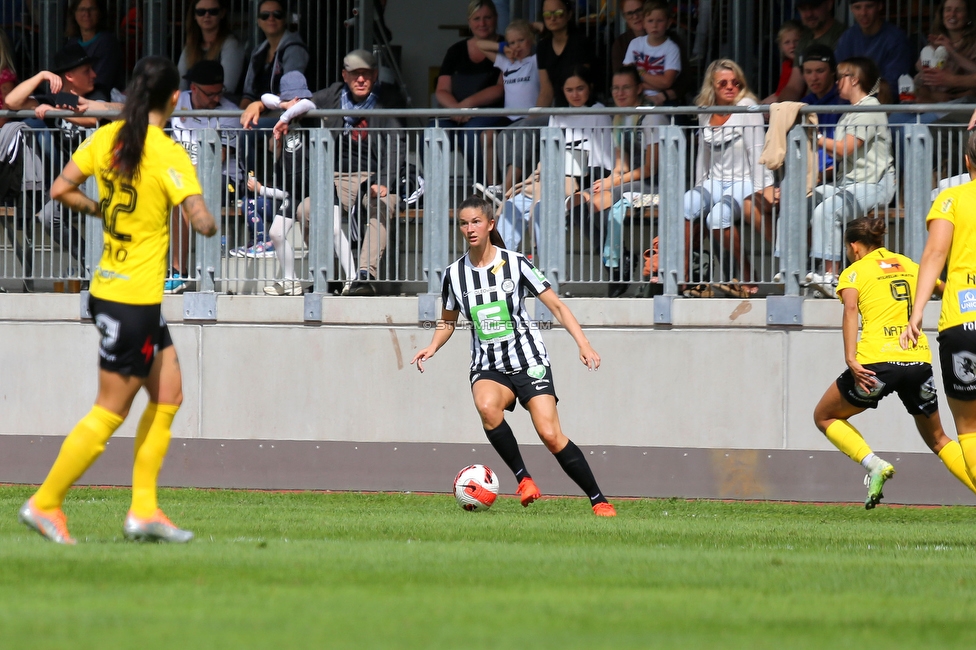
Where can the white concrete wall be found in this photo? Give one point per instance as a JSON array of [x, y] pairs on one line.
[[260, 374]]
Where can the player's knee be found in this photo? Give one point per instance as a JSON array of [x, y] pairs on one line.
[[491, 413], [551, 437]]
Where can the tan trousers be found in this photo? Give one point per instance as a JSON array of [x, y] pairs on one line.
[[378, 211]]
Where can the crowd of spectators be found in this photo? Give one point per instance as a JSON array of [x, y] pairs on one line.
[[611, 163]]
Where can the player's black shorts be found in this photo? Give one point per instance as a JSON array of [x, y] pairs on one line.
[[912, 380], [131, 336], [526, 384], [957, 353]]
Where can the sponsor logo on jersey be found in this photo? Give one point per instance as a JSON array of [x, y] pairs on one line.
[[177, 178], [947, 204], [475, 377], [539, 276], [508, 285], [536, 372], [964, 366], [967, 300], [852, 277], [492, 320], [891, 264]]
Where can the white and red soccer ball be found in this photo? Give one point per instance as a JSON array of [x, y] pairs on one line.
[[476, 488]]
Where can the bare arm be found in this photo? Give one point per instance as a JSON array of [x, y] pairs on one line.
[[862, 376], [659, 81], [20, 97], [196, 212], [444, 94], [66, 190], [933, 261], [489, 48], [587, 354], [445, 328]]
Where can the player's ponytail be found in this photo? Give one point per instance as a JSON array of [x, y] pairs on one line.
[[153, 82], [971, 151], [869, 231], [486, 208]]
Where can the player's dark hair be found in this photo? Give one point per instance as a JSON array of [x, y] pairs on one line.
[[478, 203], [154, 80], [971, 148], [866, 230]]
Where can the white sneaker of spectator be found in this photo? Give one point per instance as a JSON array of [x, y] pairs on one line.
[[825, 285], [494, 193], [285, 288]]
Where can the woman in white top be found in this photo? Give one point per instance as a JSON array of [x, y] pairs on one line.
[[589, 157], [864, 169], [208, 37], [727, 169]]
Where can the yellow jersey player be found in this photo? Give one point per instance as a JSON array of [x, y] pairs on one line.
[[952, 239], [141, 174], [879, 287]]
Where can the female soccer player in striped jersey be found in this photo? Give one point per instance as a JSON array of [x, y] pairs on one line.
[[508, 358], [142, 173], [952, 238], [879, 287]]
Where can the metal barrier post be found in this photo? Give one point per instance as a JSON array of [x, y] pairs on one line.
[[918, 187], [93, 245], [202, 303], [155, 42], [437, 165], [552, 212], [673, 155], [793, 220], [363, 11], [322, 196], [50, 19]]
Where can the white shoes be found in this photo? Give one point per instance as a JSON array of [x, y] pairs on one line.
[[285, 288], [824, 285]]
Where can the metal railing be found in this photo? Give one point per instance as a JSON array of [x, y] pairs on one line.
[[586, 242]]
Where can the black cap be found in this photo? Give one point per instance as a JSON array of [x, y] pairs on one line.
[[206, 73], [819, 52], [69, 57]]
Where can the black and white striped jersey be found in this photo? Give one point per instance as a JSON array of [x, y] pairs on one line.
[[503, 336]]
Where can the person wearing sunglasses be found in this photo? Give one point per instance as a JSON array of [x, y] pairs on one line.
[[282, 51], [561, 48], [208, 38], [86, 23], [727, 171]]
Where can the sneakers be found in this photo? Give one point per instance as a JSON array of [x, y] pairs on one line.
[[494, 193], [285, 288], [261, 249], [874, 481], [174, 285], [528, 491], [604, 510], [51, 525], [238, 252], [363, 286], [155, 529], [825, 285]]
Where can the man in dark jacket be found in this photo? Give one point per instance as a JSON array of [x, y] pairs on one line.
[[371, 156]]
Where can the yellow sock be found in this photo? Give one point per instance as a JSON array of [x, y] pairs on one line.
[[967, 441], [951, 456], [152, 441], [848, 440], [80, 449]]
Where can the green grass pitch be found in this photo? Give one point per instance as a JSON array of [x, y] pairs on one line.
[[309, 570]]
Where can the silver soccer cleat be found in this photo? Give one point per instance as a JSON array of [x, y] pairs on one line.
[[157, 528]]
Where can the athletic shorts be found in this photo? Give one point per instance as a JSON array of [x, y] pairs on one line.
[[913, 381], [131, 336], [957, 353], [526, 384]]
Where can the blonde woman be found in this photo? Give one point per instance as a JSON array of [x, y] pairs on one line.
[[727, 168], [864, 169]]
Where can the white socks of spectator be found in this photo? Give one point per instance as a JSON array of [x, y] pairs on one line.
[[285, 252]]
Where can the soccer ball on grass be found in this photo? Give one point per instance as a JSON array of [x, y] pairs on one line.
[[475, 488]]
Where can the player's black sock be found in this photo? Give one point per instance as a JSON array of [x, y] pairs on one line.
[[573, 462], [503, 440]]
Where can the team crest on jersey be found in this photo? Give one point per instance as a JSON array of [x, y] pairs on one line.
[[177, 178], [891, 264], [964, 366], [536, 372], [508, 285], [293, 142], [947, 204], [967, 300]]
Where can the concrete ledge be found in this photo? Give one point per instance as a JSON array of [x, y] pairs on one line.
[[622, 471]]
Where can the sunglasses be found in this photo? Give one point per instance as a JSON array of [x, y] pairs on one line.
[[558, 13], [213, 11], [725, 83], [277, 14]]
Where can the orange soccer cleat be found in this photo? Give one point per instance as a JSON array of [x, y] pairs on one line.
[[528, 491], [604, 510], [52, 524]]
